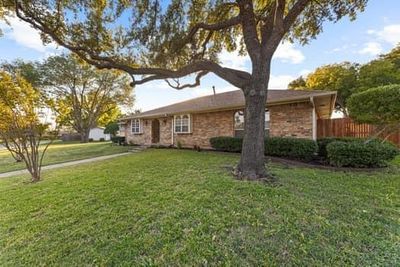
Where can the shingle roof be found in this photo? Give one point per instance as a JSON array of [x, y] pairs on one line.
[[232, 99]]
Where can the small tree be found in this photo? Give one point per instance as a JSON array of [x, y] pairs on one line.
[[379, 106], [20, 128], [112, 128]]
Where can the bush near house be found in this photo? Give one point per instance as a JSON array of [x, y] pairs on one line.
[[120, 140], [289, 147], [294, 148], [360, 154], [324, 142], [226, 143]]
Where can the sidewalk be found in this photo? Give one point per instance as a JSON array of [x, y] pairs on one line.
[[65, 164]]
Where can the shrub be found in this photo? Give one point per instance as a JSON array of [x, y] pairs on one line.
[[90, 140], [289, 147], [118, 140], [226, 143], [323, 142], [102, 139], [360, 154]]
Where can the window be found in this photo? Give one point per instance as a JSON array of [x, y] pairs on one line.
[[182, 123], [239, 123], [135, 126]]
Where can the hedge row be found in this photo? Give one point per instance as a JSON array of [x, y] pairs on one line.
[[295, 148], [340, 152], [360, 154]]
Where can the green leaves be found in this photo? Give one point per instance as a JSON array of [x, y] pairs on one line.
[[379, 106]]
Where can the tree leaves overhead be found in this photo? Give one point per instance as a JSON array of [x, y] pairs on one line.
[[152, 32]]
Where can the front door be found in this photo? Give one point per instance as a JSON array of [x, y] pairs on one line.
[[155, 131]]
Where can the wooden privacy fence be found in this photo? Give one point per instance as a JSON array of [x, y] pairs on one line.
[[346, 127]]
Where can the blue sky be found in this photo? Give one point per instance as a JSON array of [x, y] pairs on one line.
[[376, 31]]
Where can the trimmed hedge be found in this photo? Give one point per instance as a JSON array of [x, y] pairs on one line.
[[295, 148], [360, 154], [324, 142], [226, 143], [289, 147], [120, 140]]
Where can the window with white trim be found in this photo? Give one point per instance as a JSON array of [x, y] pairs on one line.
[[135, 126], [182, 123]]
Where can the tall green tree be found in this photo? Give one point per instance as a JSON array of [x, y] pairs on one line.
[[172, 39], [382, 71], [84, 97], [341, 78]]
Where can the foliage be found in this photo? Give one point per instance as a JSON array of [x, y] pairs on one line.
[[324, 142], [290, 147], [84, 97], [120, 140], [179, 207], [360, 154], [26, 69], [21, 129], [378, 106], [298, 84], [341, 78], [112, 128], [295, 148], [227, 143], [383, 71]]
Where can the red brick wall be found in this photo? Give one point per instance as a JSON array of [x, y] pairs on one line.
[[294, 120], [291, 120], [205, 126]]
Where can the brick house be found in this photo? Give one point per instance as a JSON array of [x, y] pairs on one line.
[[192, 123]]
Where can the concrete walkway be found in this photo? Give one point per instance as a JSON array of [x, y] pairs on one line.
[[65, 164]]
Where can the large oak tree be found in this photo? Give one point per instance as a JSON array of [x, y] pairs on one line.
[[152, 40]]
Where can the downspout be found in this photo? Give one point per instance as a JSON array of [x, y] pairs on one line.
[[172, 131], [314, 120]]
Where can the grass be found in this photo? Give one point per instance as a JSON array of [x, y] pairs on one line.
[[174, 207], [62, 152]]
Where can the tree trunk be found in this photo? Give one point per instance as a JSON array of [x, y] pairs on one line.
[[85, 136], [252, 161]]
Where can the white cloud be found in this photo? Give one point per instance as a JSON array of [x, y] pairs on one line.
[[24, 35], [234, 61], [390, 34], [372, 48], [287, 53], [280, 81]]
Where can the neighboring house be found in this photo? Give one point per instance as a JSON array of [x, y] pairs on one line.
[[192, 123], [97, 133]]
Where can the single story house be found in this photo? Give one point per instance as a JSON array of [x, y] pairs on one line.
[[290, 113]]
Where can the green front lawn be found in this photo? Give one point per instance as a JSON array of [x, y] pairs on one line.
[[63, 151], [175, 207]]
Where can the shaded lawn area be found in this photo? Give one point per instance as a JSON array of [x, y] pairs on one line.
[[175, 207], [63, 151]]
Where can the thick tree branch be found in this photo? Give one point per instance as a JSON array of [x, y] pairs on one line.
[[189, 85], [235, 77]]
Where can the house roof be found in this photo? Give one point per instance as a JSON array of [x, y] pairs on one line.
[[235, 99]]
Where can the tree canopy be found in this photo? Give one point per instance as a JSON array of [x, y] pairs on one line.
[[84, 97], [349, 78], [378, 106]]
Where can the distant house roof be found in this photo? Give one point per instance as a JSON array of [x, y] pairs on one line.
[[235, 99]]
